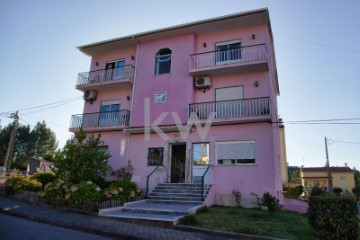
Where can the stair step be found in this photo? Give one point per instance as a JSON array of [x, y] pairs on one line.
[[179, 202], [172, 194], [180, 185], [154, 211]]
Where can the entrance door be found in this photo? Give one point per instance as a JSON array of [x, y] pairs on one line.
[[178, 156]]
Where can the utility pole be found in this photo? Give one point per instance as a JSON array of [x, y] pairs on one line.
[[328, 166], [9, 153]]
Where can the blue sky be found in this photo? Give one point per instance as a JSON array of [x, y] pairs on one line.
[[316, 45]]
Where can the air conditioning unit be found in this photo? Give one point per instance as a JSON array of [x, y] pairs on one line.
[[90, 95], [202, 82]]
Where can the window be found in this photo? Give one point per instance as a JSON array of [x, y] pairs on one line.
[[103, 149], [163, 61], [109, 113], [200, 154], [228, 51], [235, 152], [155, 156], [115, 70], [228, 102]]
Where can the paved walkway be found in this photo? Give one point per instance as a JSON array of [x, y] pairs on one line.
[[100, 225]]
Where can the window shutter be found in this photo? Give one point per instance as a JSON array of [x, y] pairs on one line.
[[229, 93], [235, 150]]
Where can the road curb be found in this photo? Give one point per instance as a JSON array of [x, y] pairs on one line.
[[222, 234], [69, 226]]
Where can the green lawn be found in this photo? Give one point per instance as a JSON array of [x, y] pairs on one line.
[[283, 224]]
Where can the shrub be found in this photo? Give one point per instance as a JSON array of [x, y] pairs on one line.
[[124, 173], [237, 196], [271, 202], [44, 178], [18, 184], [121, 190], [337, 191], [316, 191], [294, 192], [333, 217], [356, 191], [55, 189], [84, 191]]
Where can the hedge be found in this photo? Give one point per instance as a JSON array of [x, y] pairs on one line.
[[333, 217]]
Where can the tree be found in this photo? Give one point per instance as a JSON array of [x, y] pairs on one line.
[[81, 159], [43, 141], [39, 142], [357, 177]]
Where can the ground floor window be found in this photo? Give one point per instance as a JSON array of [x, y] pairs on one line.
[[155, 156], [236, 152], [200, 154]]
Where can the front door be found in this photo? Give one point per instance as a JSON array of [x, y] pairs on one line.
[[178, 156]]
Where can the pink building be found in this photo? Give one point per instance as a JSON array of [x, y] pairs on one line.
[[194, 103]]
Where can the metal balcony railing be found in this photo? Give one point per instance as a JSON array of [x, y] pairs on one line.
[[231, 108], [232, 56], [100, 119], [106, 75]]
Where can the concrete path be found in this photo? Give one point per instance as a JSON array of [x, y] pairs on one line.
[[105, 226]]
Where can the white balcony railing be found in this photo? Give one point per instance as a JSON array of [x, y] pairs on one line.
[[232, 56], [106, 75], [100, 119], [231, 108]]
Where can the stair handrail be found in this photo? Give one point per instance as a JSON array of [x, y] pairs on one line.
[[154, 178], [206, 181]]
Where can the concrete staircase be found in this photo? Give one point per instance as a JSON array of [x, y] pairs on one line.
[[177, 193], [165, 205]]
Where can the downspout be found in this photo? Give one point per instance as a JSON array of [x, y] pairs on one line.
[[132, 100]]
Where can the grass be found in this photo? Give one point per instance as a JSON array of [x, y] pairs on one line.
[[283, 224]]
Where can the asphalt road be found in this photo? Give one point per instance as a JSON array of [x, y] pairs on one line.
[[23, 229]]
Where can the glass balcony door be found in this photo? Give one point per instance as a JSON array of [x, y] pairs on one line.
[[109, 113]]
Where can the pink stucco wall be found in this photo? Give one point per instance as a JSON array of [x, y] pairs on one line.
[[103, 58], [177, 84], [258, 177], [117, 144], [108, 95], [263, 176]]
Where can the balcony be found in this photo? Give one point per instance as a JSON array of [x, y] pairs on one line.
[[240, 60], [106, 78], [242, 110], [100, 121]]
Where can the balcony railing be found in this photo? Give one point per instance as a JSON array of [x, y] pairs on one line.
[[231, 108], [232, 56], [106, 75], [100, 119]]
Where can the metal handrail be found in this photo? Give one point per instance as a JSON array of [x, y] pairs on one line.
[[262, 44], [207, 186], [219, 57], [231, 108], [100, 119], [106, 75], [148, 190]]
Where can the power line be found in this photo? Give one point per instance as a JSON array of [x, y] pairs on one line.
[[50, 107], [318, 43], [339, 141], [48, 104]]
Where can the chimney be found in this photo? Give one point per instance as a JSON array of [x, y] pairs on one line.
[[346, 165]]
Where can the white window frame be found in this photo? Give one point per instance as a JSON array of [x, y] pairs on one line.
[[236, 160], [158, 62], [115, 73], [217, 44]]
